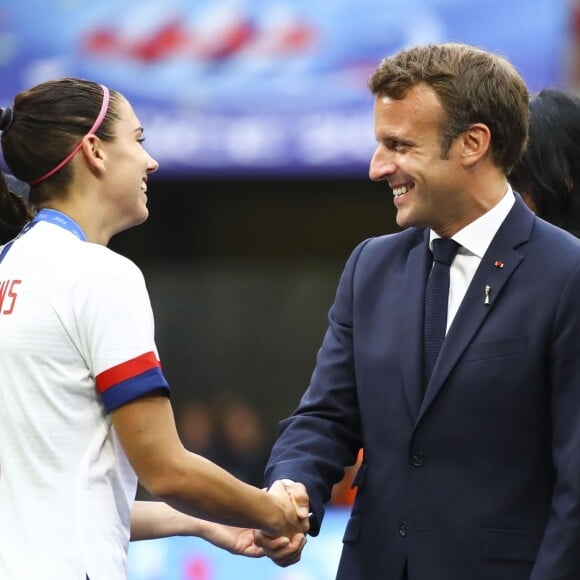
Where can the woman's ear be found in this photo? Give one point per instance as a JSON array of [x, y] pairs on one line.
[[476, 143], [94, 153]]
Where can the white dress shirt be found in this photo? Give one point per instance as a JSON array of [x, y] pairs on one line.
[[474, 240]]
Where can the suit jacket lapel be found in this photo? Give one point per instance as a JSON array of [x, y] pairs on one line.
[[411, 321], [497, 266]]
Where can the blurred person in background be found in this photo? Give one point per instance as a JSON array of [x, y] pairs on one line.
[[471, 467], [84, 405], [344, 492], [197, 427], [241, 446], [548, 174], [14, 211]]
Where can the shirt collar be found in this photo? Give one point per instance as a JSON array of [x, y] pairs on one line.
[[476, 237]]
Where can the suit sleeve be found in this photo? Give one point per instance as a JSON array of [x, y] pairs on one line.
[[559, 554], [323, 434]]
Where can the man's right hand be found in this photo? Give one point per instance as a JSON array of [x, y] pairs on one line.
[[287, 551]]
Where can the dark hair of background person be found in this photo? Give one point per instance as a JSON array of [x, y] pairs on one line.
[[14, 212], [472, 100], [548, 174]]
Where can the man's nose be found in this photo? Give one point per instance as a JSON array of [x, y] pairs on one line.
[[381, 165]]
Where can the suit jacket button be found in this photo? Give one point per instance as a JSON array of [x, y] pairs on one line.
[[419, 459], [403, 529]]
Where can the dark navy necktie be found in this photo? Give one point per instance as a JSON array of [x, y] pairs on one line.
[[436, 301]]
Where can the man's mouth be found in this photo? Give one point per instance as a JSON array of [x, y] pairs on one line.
[[401, 189]]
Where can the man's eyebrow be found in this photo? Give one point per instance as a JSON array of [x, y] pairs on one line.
[[390, 137]]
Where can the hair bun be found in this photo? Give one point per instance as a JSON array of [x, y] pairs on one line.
[[6, 116]]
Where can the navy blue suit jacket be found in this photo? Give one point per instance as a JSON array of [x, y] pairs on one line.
[[480, 478]]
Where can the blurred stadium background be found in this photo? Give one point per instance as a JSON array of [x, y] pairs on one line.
[[261, 120]]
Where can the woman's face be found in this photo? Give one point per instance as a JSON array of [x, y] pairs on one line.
[[127, 168]]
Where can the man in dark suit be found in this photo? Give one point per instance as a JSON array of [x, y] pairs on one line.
[[471, 470]]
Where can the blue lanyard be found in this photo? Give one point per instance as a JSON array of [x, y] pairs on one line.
[[58, 218], [52, 216]]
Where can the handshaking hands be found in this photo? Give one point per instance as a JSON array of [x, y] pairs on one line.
[[284, 549]]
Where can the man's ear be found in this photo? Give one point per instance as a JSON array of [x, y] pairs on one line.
[[92, 148], [476, 142]]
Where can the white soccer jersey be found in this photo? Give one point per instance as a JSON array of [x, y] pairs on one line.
[[76, 341]]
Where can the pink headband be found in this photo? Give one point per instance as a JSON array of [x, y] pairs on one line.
[[96, 125]]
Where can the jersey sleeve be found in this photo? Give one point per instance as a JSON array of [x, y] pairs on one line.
[[115, 325], [130, 379]]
